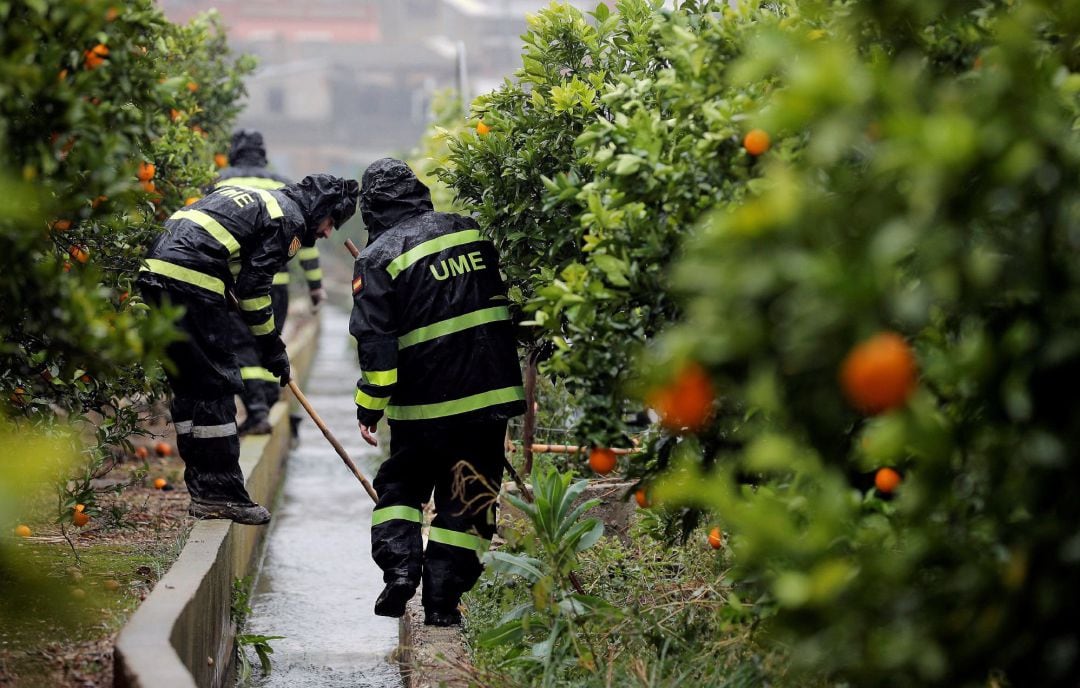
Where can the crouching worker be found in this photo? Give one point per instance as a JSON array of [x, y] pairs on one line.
[[233, 241], [248, 167], [437, 355]]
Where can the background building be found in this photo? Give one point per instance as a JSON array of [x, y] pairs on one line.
[[343, 82]]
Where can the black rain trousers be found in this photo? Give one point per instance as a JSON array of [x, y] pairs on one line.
[[204, 377], [261, 389], [422, 460]]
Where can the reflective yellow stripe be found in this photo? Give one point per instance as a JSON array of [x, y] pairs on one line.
[[458, 539], [272, 206], [370, 402], [266, 328], [257, 373], [255, 303], [235, 266], [211, 225], [313, 275], [183, 274], [399, 264], [281, 278], [456, 406], [382, 378], [452, 325], [251, 182], [400, 513], [308, 253]]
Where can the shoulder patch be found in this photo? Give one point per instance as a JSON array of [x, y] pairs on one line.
[[357, 285], [294, 246]]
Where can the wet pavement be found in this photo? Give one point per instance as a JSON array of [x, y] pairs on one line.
[[318, 583]]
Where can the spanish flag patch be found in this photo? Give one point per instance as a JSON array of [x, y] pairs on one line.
[[356, 285], [294, 246]]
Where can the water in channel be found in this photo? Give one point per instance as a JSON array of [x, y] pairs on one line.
[[318, 583]]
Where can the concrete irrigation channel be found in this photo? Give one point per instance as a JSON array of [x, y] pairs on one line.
[[317, 583]]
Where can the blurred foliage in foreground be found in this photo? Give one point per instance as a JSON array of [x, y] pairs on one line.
[[109, 120], [919, 185]]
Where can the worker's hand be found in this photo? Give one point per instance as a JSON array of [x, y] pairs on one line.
[[318, 297], [368, 433], [276, 360]]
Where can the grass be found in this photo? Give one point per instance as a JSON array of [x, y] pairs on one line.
[[676, 620]]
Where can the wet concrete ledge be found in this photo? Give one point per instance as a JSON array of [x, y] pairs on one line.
[[182, 635]]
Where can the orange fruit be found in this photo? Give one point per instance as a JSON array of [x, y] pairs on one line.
[[142, 453], [174, 114], [111, 14], [146, 171], [80, 518], [111, 584], [602, 460], [67, 266], [879, 374], [22, 530], [79, 253], [482, 129], [95, 57], [124, 296], [716, 538], [160, 483], [642, 498], [192, 86], [62, 75], [79, 508], [687, 402], [221, 160], [190, 200], [61, 225], [756, 142], [886, 480], [98, 201], [86, 379], [163, 449], [18, 397], [148, 187], [78, 593]]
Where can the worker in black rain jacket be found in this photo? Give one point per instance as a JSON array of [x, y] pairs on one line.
[[438, 358], [247, 167], [233, 241]]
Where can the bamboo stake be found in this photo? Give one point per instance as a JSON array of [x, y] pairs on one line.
[[571, 449]]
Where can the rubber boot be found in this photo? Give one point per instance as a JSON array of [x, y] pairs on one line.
[[442, 617], [393, 598], [247, 514], [255, 425]]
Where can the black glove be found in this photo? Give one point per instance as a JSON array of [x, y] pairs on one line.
[[276, 360]]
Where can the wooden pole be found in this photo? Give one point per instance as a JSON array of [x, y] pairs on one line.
[[333, 441], [572, 449], [529, 429]]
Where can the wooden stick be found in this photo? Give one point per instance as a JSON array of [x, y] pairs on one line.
[[529, 430], [571, 449], [352, 248], [333, 441]]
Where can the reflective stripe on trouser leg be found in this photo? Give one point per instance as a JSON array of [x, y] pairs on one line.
[[465, 520], [207, 442], [403, 482]]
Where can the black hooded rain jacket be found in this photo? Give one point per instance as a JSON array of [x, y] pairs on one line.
[[430, 314], [237, 238]]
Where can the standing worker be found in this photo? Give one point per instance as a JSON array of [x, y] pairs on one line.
[[233, 240], [437, 355], [247, 167]]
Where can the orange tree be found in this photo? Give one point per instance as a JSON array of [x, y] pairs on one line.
[[902, 295], [593, 165], [109, 117]]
